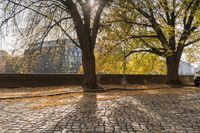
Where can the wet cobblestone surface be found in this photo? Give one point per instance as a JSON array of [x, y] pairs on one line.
[[157, 111]]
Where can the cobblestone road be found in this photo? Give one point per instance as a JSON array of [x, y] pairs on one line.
[[151, 111]]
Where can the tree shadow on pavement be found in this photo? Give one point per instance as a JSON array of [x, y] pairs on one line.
[[157, 113], [82, 118], [133, 112]]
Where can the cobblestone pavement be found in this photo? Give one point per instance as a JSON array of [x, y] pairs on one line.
[[151, 111]]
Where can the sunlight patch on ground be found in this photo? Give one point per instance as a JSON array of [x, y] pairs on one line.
[[107, 98], [49, 101], [153, 92], [58, 101]]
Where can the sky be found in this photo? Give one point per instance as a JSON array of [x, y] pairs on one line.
[[7, 43]]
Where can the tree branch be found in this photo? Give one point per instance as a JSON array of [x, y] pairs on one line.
[[144, 51], [97, 21], [192, 42], [143, 36]]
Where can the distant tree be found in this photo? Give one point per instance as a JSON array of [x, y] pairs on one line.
[[161, 27], [191, 53], [15, 65], [4, 57], [52, 18], [110, 60]]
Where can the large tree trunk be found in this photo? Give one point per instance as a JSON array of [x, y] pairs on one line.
[[86, 34], [173, 62], [88, 60]]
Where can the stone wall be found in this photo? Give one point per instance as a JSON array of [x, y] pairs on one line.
[[140, 79], [34, 80]]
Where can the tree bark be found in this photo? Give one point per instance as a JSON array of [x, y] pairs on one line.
[[89, 69], [173, 62]]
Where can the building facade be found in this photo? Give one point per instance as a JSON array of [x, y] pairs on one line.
[[60, 56], [186, 68]]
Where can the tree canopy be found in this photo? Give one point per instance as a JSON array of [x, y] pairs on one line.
[[160, 27]]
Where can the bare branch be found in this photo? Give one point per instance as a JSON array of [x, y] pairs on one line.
[[192, 42]]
